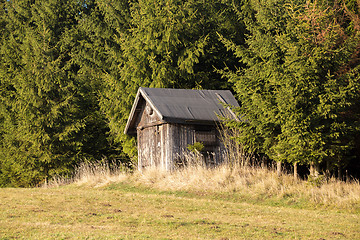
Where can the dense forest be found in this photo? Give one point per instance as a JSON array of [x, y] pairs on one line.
[[70, 70]]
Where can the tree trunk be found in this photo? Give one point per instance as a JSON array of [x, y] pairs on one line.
[[327, 172], [340, 176], [295, 171], [262, 163], [314, 169], [278, 168]]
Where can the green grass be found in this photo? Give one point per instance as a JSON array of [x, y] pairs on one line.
[[125, 211]]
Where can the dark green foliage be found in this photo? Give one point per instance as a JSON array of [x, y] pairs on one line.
[[100, 57], [50, 118], [298, 92], [63, 62], [69, 72], [167, 43]]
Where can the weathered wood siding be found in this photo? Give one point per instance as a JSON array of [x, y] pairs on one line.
[[149, 139], [181, 135], [164, 145]]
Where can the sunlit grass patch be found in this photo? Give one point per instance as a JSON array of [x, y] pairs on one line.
[[125, 211]]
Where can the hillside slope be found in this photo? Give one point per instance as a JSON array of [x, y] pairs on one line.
[[123, 211]]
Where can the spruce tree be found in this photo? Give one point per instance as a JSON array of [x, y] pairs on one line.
[[167, 43], [50, 118], [3, 86], [295, 95], [100, 55]]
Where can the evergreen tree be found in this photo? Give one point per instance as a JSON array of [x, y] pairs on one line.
[[167, 43], [50, 118], [100, 56], [295, 96], [3, 87]]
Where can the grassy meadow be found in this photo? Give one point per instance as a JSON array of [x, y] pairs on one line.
[[192, 203]]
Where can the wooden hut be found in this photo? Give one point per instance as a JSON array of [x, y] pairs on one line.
[[166, 121]]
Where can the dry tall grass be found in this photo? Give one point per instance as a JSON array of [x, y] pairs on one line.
[[253, 183], [95, 174], [239, 175]]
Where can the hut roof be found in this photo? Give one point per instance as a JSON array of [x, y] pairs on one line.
[[184, 106]]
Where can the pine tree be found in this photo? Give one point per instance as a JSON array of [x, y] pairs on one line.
[[3, 86], [50, 118], [167, 43], [100, 55], [295, 96]]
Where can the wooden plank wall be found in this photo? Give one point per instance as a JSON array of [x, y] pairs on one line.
[[180, 136], [149, 138], [164, 145]]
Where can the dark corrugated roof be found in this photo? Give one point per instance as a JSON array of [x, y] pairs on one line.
[[184, 105]]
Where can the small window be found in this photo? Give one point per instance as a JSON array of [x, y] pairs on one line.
[[208, 138]]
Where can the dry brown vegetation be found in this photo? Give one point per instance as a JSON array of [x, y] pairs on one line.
[[239, 177], [253, 183], [231, 201]]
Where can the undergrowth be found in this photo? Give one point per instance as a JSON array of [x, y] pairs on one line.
[[238, 177], [252, 183]]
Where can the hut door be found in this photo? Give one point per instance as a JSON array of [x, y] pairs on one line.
[[207, 136]]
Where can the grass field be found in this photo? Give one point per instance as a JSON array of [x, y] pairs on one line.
[[123, 210]]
